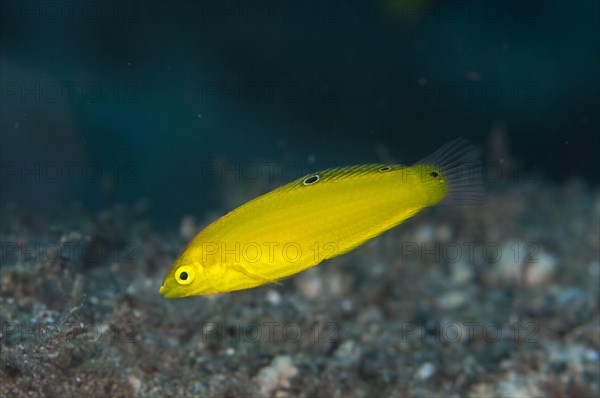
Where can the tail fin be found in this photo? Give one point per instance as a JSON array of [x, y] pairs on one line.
[[461, 166]]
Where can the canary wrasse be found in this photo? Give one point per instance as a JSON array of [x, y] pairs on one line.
[[318, 217]]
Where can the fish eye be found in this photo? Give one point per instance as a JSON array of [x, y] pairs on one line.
[[385, 168], [311, 180], [434, 174], [185, 275]]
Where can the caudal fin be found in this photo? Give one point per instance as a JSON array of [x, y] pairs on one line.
[[461, 167]]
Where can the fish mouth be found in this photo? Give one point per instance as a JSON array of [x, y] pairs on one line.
[[168, 293], [163, 290]]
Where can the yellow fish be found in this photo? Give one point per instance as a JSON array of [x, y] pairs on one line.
[[318, 217]]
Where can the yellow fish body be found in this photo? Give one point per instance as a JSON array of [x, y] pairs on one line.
[[317, 217]]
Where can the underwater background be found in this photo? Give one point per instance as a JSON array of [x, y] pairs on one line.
[[127, 126]]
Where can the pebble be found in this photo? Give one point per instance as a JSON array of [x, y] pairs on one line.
[[277, 375], [461, 272], [425, 371], [452, 299], [199, 387], [542, 270], [310, 284], [188, 227], [540, 265], [347, 306], [508, 267], [571, 296], [273, 297], [592, 356], [347, 354], [444, 233], [135, 382], [425, 233], [518, 385]]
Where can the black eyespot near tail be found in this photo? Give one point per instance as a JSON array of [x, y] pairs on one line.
[[461, 167]]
